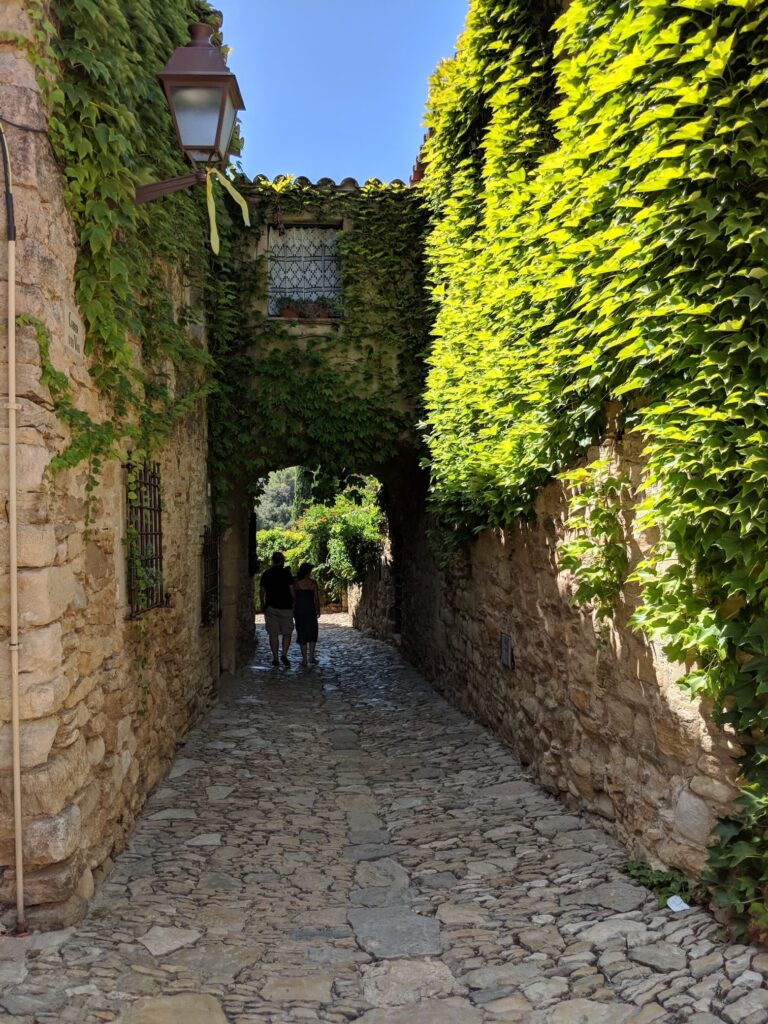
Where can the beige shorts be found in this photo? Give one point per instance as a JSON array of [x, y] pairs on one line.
[[278, 621]]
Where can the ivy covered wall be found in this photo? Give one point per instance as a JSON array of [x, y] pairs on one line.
[[596, 191], [598, 201], [340, 394], [110, 130]]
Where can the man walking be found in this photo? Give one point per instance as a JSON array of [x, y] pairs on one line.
[[276, 593]]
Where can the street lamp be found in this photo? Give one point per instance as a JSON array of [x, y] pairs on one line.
[[204, 98]]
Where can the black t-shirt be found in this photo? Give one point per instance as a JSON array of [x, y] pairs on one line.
[[277, 582]]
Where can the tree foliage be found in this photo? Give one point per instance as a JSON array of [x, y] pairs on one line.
[[275, 507], [341, 539], [302, 497]]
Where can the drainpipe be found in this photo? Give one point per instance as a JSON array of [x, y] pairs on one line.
[[12, 407]]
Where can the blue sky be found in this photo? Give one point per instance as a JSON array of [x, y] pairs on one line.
[[336, 88]]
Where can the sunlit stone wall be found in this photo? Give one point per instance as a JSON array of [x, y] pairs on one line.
[[104, 700]]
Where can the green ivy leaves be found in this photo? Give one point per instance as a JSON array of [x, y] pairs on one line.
[[598, 235], [596, 554], [343, 400], [110, 129]]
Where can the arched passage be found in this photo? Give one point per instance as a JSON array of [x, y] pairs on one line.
[[402, 496], [595, 710], [320, 329], [493, 627]]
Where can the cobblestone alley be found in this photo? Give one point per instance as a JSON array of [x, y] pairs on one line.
[[340, 845]]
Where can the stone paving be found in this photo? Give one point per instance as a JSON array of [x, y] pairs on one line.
[[338, 844]]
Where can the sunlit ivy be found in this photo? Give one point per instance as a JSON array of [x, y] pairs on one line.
[[598, 194]]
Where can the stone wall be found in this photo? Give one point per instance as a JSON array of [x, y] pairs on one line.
[[374, 605], [237, 598], [105, 700], [596, 713]]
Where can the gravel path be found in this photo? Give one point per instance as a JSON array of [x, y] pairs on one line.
[[338, 844]]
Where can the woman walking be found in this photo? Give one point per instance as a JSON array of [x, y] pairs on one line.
[[305, 612]]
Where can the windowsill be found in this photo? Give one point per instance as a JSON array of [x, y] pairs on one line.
[[133, 616], [326, 321]]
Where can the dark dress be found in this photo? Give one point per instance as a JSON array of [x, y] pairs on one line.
[[305, 616]]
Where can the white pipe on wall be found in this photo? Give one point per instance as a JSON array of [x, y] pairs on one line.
[[12, 536]]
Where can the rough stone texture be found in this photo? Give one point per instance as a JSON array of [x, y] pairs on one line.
[[97, 731], [619, 896], [661, 956], [191, 1009], [265, 914], [586, 1011], [435, 1011], [749, 1009], [161, 941], [600, 934], [301, 989], [407, 981], [395, 931], [594, 710]]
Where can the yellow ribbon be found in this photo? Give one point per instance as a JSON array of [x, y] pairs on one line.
[[213, 172]]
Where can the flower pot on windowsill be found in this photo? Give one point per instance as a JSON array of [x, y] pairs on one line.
[[325, 309], [290, 308], [307, 309]]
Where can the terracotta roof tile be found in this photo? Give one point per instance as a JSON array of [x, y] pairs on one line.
[[346, 184]]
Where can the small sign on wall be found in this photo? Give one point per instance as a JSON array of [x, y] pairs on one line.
[[507, 651], [74, 332]]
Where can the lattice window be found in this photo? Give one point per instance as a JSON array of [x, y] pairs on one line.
[[145, 539], [210, 610], [304, 271]]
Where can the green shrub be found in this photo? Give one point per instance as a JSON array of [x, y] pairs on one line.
[[293, 543], [665, 883], [341, 539], [345, 539]]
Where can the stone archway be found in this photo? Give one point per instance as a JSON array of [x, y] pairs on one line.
[[325, 364], [402, 494]]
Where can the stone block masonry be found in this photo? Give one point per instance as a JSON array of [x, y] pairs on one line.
[[105, 700], [596, 711]]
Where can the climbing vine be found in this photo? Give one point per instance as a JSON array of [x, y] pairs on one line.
[[598, 201], [596, 553], [341, 398], [110, 130], [346, 400]]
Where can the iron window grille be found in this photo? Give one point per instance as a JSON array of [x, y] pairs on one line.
[[304, 272], [145, 539], [211, 575]]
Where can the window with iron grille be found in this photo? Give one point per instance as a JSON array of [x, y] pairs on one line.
[[145, 539], [304, 272], [210, 609]]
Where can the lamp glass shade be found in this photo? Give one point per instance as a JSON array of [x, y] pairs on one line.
[[203, 96], [197, 110], [227, 126]]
